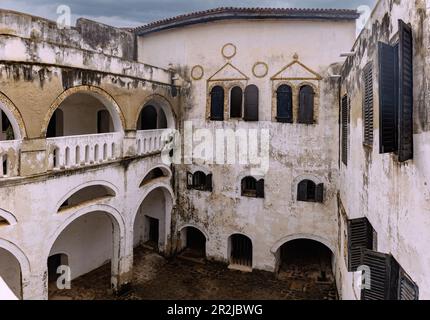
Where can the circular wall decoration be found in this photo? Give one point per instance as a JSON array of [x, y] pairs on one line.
[[197, 72], [260, 69], [229, 50]]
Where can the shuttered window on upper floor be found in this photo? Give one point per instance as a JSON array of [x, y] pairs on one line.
[[217, 104], [368, 104], [387, 280], [360, 236], [345, 128], [251, 103], [396, 95], [284, 104]]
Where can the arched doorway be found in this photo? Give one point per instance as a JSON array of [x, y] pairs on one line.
[[193, 243], [305, 259], [240, 252], [89, 242], [152, 222], [83, 113], [152, 117], [10, 272]]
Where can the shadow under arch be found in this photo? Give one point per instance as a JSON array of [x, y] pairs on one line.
[[163, 103], [14, 116], [104, 97], [118, 236], [24, 264]]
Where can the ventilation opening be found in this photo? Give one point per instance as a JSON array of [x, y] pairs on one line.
[[92, 193], [241, 251], [306, 259]]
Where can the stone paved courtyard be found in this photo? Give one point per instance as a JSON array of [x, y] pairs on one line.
[[179, 279]]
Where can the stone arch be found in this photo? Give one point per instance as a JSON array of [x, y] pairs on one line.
[[166, 170], [118, 236], [24, 264], [9, 217], [104, 97], [299, 236], [164, 104], [81, 186], [300, 244], [250, 260], [169, 204], [202, 230], [14, 116]]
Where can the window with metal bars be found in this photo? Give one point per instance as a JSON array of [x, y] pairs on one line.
[[368, 104], [345, 128]]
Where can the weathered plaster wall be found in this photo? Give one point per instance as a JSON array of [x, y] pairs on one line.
[[296, 151], [393, 196]]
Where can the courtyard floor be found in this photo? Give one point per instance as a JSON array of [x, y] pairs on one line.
[[155, 277]]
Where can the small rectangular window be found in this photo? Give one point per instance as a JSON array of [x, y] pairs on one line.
[[368, 104]]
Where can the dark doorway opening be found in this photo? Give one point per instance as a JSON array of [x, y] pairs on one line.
[[306, 259], [241, 250], [153, 235], [195, 245], [54, 262]]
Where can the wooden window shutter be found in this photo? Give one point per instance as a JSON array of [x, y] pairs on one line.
[[368, 104], [251, 103], [302, 191], [319, 193], [260, 188], [360, 236], [209, 182], [306, 105], [217, 104], [345, 130], [189, 180], [236, 97], [380, 266], [405, 124], [387, 98], [408, 290], [284, 104]]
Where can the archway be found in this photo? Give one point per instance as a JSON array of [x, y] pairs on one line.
[[152, 221], [83, 110], [11, 123], [193, 243], [305, 259], [89, 240], [240, 252], [156, 113], [10, 272]]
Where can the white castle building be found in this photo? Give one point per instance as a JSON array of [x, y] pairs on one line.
[[87, 112]]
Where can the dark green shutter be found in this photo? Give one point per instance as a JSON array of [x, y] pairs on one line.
[[284, 105], [405, 125], [217, 104], [209, 182], [408, 290], [387, 98], [319, 193], [380, 272], [368, 104], [345, 130], [360, 236], [260, 188], [251, 103]]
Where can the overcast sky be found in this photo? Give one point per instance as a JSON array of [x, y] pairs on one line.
[[131, 13]]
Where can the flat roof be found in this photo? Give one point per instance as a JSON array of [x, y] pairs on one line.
[[231, 13]]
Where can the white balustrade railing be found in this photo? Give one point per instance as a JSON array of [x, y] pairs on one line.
[[9, 158], [80, 151], [150, 141]]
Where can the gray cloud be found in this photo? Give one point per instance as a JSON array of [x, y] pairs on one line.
[[123, 13]]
